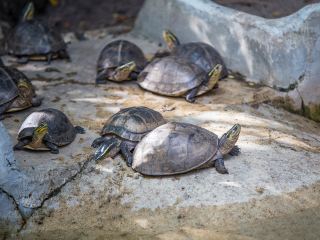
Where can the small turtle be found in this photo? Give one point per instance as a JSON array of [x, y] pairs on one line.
[[31, 40], [173, 76], [120, 60], [124, 130], [199, 53], [175, 148], [47, 129], [16, 91]]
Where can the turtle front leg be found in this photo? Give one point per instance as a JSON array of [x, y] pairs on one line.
[[102, 77], [52, 147], [49, 58], [125, 149], [23, 60], [191, 96], [36, 101], [235, 151], [20, 145], [219, 165]]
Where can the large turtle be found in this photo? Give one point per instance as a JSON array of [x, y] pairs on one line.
[[32, 40], [47, 129], [120, 60], [175, 148], [16, 91], [174, 76], [199, 53], [124, 130]]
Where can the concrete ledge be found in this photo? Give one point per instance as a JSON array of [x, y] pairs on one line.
[[281, 53]]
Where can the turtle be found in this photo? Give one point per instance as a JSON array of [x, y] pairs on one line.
[[124, 130], [32, 40], [176, 148], [118, 61], [47, 129], [199, 53], [174, 76], [16, 91]]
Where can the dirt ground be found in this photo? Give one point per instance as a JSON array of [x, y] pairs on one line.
[[267, 8]]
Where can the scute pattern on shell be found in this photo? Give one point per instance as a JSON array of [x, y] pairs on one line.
[[201, 54], [33, 38], [8, 88], [60, 128], [120, 52], [133, 123], [171, 76], [174, 148]]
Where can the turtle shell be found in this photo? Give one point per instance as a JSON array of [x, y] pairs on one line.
[[174, 148], [8, 89], [133, 123], [33, 38], [118, 53], [171, 76], [60, 128], [8, 95], [201, 54]]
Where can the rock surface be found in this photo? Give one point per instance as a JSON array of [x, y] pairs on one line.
[[272, 189], [281, 53]]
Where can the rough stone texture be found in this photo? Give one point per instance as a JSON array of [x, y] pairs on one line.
[[272, 189], [9, 214], [281, 53]]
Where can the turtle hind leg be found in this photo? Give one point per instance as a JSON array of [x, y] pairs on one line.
[[53, 148], [80, 130], [126, 152], [219, 165], [235, 151], [191, 96], [64, 55]]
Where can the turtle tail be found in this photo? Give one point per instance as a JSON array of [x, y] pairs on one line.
[[80, 130]]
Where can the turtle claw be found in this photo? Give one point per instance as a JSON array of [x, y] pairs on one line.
[[219, 165], [235, 151], [80, 130]]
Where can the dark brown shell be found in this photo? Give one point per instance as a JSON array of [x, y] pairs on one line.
[[33, 38], [201, 54], [133, 123], [9, 91], [171, 76], [118, 53], [60, 128], [174, 148]]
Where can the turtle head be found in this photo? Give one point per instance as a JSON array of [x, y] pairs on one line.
[[25, 88], [54, 3], [214, 75], [123, 72], [171, 40], [28, 12], [109, 147], [40, 131], [229, 139]]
